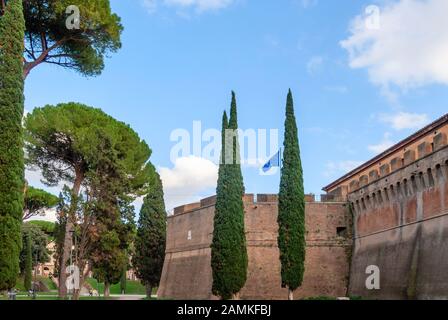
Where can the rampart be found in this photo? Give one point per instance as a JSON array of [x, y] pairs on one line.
[[187, 272]]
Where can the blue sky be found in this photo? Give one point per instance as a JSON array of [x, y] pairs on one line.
[[181, 58]]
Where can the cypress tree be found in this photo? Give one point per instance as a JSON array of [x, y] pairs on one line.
[[27, 278], [151, 237], [291, 207], [233, 126], [229, 255], [123, 280], [12, 29]]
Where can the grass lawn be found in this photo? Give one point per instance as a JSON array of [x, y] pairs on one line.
[[55, 297], [132, 287]]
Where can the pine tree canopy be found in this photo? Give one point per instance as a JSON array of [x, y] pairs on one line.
[[48, 40]]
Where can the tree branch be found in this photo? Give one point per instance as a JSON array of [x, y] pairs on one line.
[[30, 65]]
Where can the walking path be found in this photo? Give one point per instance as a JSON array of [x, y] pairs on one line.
[[130, 297]]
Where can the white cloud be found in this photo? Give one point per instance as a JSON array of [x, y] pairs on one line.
[[404, 120], [197, 5], [385, 144], [409, 49], [188, 180], [150, 5], [49, 215], [309, 3], [341, 167], [314, 65]]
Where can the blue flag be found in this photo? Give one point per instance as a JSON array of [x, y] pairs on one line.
[[273, 162]]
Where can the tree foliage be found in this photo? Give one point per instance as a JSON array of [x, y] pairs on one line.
[[110, 241], [37, 201], [84, 146], [291, 215], [39, 242], [48, 40], [28, 263], [47, 227], [71, 140], [123, 279], [151, 236], [229, 253], [12, 28]]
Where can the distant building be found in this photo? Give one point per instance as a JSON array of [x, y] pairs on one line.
[[47, 269]]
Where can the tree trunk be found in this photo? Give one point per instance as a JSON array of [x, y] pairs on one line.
[[106, 289], [69, 226], [77, 293], [62, 290], [236, 296], [148, 291], [290, 294]]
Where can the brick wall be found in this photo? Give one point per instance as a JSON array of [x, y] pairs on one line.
[[187, 272], [401, 225]]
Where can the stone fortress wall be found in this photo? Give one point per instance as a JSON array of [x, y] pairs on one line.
[[187, 273], [400, 205]]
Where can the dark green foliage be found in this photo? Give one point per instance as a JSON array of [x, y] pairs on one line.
[[12, 28], [109, 256], [46, 226], [111, 238], [236, 160], [28, 263], [151, 236], [229, 254], [291, 215], [83, 49], [123, 279], [39, 241], [37, 201]]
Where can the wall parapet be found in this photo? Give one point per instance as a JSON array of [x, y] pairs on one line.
[[254, 199], [428, 140], [415, 177]]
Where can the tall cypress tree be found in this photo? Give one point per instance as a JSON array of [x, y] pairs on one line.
[[291, 207], [123, 279], [229, 254], [151, 237], [12, 30], [27, 277]]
